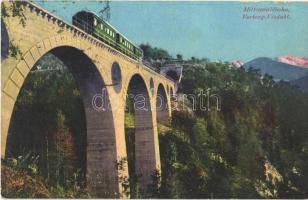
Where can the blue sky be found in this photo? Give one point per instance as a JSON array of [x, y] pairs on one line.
[[213, 30]]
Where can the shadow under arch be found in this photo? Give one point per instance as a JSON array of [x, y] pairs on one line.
[[4, 42], [162, 107], [143, 151], [101, 158]]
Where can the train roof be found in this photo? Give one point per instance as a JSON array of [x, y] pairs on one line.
[[93, 13]]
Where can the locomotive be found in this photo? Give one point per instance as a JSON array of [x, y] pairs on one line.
[[102, 30]]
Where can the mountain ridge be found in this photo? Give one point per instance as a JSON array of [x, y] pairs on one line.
[[279, 70], [302, 83]]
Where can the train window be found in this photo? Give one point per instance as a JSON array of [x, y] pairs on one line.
[[95, 22], [102, 26], [107, 30]]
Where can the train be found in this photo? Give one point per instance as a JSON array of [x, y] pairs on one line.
[[102, 30]]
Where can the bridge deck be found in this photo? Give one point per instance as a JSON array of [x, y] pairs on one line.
[[62, 23]]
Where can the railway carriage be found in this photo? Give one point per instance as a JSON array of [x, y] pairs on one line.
[[94, 25]]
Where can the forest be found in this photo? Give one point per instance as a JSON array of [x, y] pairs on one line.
[[255, 146]]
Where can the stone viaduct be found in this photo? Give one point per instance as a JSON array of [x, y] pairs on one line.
[[95, 66]]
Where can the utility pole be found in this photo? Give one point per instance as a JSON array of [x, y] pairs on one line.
[[105, 12]]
